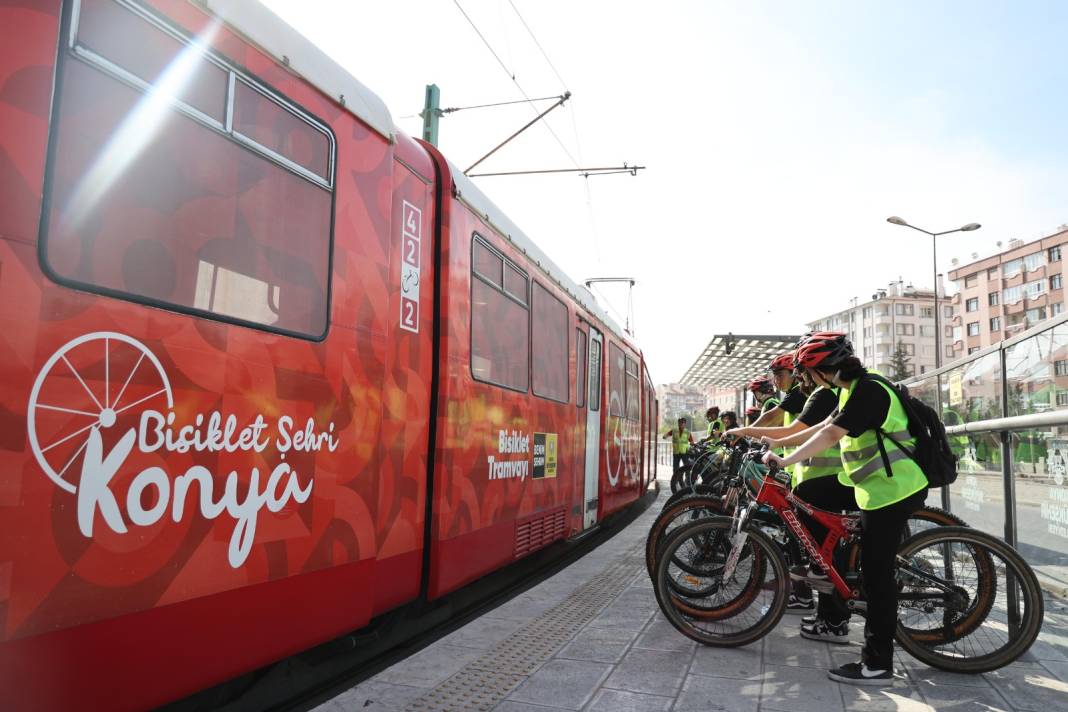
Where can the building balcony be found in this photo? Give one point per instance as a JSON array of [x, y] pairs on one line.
[[1013, 281], [955, 301], [955, 320], [1014, 329], [1040, 301], [1038, 273], [1017, 308]]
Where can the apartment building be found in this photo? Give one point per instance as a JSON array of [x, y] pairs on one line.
[[1004, 294], [677, 399], [899, 313]]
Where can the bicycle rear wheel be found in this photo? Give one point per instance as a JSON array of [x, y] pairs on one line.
[[675, 514], [967, 602], [721, 612]]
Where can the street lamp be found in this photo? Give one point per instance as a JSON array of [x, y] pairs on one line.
[[895, 220]]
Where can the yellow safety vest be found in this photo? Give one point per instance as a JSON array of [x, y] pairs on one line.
[[862, 463], [823, 464], [680, 441]]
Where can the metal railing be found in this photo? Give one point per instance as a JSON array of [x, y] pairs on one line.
[[1006, 412]]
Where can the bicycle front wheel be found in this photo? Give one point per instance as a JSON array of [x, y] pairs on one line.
[[706, 605], [967, 602]]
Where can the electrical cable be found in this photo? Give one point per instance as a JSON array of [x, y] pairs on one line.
[[511, 75]]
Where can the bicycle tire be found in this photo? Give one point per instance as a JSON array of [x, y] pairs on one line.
[[668, 515], [764, 555], [1030, 595]]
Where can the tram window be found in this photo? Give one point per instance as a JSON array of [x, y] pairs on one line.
[[145, 51], [500, 324], [151, 200], [515, 283], [487, 264], [549, 345], [581, 367], [615, 381], [633, 406], [595, 375], [269, 124]]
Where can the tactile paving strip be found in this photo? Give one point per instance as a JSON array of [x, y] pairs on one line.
[[480, 685]]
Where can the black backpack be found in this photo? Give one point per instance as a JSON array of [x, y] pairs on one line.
[[932, 452]]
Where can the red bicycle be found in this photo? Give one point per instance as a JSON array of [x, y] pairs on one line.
[[967, 602]]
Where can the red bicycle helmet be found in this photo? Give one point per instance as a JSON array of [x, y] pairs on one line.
[[783, 362], [761, 384], [824, 348]]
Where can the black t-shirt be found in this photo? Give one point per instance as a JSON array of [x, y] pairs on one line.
[[865, 410], [794, 402], [819, 405]]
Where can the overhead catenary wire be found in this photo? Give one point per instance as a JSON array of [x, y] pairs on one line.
[[511, 75]]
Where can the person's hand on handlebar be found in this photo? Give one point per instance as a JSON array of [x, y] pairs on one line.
[[773, 460], [772, 443]]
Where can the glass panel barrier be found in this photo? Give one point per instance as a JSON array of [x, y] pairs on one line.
[[1037, 377], [970, 393], [926, 389]]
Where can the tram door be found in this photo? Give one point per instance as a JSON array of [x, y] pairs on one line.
[[593, 429]]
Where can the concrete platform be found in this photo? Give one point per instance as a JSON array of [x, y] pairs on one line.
[[592, 638]]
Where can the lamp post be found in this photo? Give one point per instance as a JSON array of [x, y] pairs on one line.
[[895, 220]]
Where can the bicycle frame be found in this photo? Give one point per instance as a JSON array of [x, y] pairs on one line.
[[776, 495]]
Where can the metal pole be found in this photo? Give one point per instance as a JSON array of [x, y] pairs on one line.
[[937, 306], [431, 114]]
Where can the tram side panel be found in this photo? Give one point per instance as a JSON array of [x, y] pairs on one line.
[[505, 467], [620, 462], [201, 345]]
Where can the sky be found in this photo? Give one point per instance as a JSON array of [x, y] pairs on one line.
[[777, 136]]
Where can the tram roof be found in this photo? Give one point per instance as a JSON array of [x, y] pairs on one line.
[[730, 360], [471, 195], [273, 35]]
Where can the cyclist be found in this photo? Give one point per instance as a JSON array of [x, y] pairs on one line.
[[764, 391], [812, 481], [681, 440], [715, 425], [866, 407], [751, 414], [782, 374]]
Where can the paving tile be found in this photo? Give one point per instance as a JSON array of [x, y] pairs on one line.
[[1047, 647], [965, 699], [700, 694], [622, 617], [649, 671], [925, 677], [483, 633], [620, 701], [900, 697], [1029, 686], [567, 684], [373, 696], [509, 706], [661, 635], [603, 645], [791, 688], [785, 646], [429, 667], [737, 663], [1057, 669]]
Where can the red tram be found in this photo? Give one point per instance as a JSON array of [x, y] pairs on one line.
[[270, 367]]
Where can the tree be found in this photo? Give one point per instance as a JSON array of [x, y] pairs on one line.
[[900, 362]]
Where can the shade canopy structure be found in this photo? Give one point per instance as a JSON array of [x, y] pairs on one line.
[[730, 360]]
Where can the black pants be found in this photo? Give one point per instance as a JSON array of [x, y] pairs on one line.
[[878, 547], [677, 461], [830, 494]]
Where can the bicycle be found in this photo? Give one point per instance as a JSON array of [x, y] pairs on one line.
[[967, 601], [711, 499]]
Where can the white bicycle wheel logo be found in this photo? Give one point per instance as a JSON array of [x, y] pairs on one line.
[[107, 397]]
